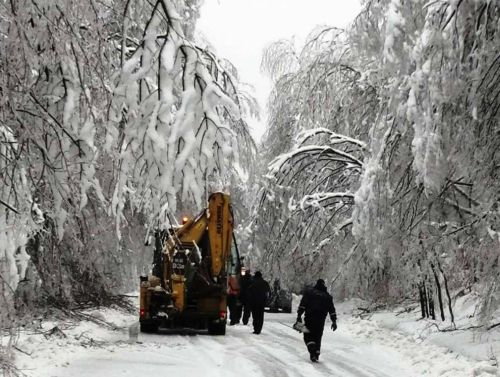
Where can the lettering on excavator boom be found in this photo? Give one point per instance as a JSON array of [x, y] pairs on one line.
[[219, 219]]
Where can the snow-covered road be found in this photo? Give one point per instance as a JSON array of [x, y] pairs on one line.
[[278, 351], [358, 348]]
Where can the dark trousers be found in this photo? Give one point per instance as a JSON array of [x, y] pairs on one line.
[[234, 309], [312, 339], [247, 311], [258, 318]]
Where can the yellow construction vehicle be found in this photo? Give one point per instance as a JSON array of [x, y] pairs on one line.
[[192, 267]]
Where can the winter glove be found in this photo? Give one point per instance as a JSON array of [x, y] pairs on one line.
[[334, 326]]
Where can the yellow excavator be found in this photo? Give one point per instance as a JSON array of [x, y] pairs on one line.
[[193, 266]]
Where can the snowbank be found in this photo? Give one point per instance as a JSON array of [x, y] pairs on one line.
[[56, 343], [431, 345]]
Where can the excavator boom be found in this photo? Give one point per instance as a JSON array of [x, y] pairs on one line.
[[220, 229]]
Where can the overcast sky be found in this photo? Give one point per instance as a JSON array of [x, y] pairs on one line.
[[240, 30]]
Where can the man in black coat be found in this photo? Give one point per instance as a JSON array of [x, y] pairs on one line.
[[316, 303], [245, 283], [258, 294]]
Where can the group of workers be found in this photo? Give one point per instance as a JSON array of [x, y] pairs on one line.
[[250, 300], [315, 305]]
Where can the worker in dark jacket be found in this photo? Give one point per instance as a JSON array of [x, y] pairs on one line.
[[316, 303], [245, 282], [258, 294]]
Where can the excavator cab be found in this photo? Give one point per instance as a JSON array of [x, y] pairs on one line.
[[192, 266]]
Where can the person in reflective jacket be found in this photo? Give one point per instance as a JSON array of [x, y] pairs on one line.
[[233, 302], [316, 303]]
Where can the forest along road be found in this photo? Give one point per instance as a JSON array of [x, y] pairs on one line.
[[278, 351]]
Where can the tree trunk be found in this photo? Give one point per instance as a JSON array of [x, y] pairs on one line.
[[426, 302], [422, 300], [432, 313], [452, 317], [440, 295]]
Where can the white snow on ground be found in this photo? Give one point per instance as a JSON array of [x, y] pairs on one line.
[[475, 344], [430, 352], [383, 345]]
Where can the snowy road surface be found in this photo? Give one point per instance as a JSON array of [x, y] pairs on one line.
[[358, 348], [278, 351]]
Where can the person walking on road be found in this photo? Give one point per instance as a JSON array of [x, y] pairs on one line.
[[258, 294], [233, 302], [245, 283], [316, 303]]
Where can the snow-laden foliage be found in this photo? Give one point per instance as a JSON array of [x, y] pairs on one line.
[[308, 195], [172, 113], [433, 180], [52, 84], [14, 221], [111, 114], [419, 83], [316, 161]]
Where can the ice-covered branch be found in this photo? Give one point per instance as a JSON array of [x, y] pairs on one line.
[[334, 138], [319, 199], [314, 152]]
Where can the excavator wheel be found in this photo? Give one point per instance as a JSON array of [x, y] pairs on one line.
[[217, 328], [149, 327]]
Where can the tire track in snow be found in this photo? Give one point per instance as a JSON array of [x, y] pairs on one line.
[[240, 345], [331, 361], [327, 366]]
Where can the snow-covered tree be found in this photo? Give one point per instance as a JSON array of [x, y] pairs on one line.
[[111, 113], [418, 83], [427, 193], [171, 116], [316, 162]]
